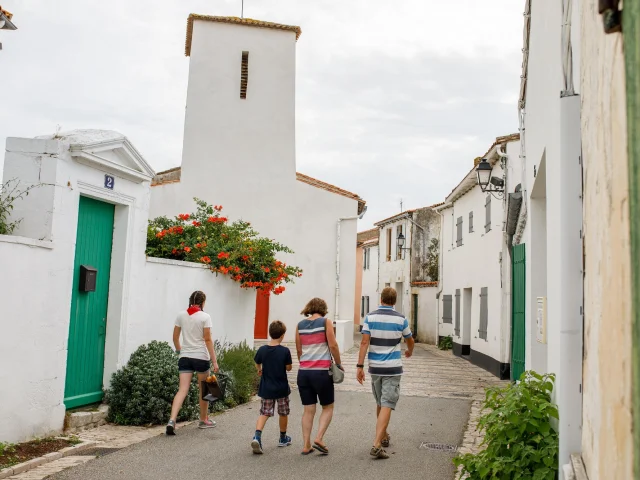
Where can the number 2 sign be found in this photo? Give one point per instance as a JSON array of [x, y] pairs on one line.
[[108, 182]]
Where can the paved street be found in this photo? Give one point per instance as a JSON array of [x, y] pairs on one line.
[[437, 392]]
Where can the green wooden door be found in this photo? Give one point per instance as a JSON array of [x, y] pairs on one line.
[[518, 292], [414, 311], [87, 329]]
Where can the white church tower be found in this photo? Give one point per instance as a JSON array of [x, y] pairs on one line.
[[239, 152]]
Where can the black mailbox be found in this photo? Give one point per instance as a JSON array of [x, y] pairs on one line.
[[88, 277]]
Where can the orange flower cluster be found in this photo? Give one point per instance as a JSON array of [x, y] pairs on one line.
[[223, 255], [217, 207], [184, 216], [217, 219], [205, 259], [279, 290]]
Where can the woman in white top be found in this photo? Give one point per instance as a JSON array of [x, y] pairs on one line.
[[196, 354]]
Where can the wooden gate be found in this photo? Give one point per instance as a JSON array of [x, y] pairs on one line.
[[518, 300], [88, 322]]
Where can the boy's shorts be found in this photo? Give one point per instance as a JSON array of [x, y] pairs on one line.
[[267, 406], [386, 390]]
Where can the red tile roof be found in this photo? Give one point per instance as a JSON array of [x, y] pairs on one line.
[[369, 236], [249, 22], [173, 175]]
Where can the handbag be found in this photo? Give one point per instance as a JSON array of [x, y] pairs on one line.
[[335, 372], [214, 391]]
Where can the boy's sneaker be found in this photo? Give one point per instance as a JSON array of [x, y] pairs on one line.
[[171, 428], [378, 453], [284, 441], [206, 424], [256, 445]]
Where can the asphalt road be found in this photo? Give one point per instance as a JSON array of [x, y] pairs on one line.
[[224, 452]]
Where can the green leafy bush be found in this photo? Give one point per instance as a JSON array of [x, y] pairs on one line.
[[446, 343], [234, 250], [9, 193], [142, 391], [237, 362], [520, 441]]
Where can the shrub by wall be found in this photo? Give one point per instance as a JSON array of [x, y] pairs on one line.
[[519, 439], [142, 391]]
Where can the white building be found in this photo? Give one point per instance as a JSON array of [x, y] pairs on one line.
[[239, 152], [548, 331], [403, 249], [471, 305], [90, 209], [367, 261]]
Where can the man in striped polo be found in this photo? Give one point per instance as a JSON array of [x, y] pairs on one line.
[[382, 334]]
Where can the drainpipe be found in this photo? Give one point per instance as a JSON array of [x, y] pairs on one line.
[[340, 220], [440, 277]]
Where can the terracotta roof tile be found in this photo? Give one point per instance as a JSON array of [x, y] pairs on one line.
[[173, 175], [424, 284], [249, 22], [368, 235], [7, 14]]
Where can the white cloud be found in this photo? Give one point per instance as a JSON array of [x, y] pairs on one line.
[[394, 99]]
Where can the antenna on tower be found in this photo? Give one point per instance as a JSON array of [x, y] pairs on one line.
[[401, 204], [242, 10]]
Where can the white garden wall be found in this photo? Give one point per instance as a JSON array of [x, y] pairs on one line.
[[36, 276]]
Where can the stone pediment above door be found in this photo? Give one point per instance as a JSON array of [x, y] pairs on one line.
[[108, 151]]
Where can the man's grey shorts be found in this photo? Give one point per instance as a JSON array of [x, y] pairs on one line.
[[386, 390]]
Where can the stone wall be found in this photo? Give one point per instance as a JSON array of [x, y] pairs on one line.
[[607, 443]]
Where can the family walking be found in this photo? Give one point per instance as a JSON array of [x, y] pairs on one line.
[[317, 348]]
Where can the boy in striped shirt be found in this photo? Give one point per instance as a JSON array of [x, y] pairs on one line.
[[382, 334]]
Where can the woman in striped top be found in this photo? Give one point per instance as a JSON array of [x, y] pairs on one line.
[[315, 343]]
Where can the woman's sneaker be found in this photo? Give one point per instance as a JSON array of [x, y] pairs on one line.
[[171, 428], [284, 441], [386, 441], [379, 453], [256, 445], [206, 424]]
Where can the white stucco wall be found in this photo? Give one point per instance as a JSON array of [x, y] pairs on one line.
[[36, 282], [427, 331], [475, 264], [397, 271], [553, 187], [370, 279]]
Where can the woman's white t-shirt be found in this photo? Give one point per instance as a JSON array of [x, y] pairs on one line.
[[193, 326]]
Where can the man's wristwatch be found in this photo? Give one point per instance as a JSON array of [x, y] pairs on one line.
[[360, 366]]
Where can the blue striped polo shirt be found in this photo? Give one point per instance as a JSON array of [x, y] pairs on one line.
[[386, 327]]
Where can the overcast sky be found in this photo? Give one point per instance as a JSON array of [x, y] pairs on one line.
[[394, 98]]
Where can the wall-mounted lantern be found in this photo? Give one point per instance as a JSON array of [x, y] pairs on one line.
[[488, 183], [400, 240]]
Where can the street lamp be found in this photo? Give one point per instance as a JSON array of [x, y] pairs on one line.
[[486, 181], [400, 242]]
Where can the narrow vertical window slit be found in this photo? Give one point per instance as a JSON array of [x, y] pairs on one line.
[[244, 75]]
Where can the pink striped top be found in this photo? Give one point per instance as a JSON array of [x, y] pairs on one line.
[[315, 349]]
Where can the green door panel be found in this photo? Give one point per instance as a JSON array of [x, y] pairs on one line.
[[88, 322]]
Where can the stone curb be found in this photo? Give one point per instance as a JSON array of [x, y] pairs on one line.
[[48, 458]]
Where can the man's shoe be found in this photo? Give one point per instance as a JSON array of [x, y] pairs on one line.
[[284, 441], [378, 453], [171, 428], [206, 424], [256, 445]]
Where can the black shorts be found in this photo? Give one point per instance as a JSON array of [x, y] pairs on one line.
[[315, 385], [190, 365]]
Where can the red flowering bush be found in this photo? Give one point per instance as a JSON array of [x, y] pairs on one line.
[[233, 249]]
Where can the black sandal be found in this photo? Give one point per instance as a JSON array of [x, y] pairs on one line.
[[321, 448]]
